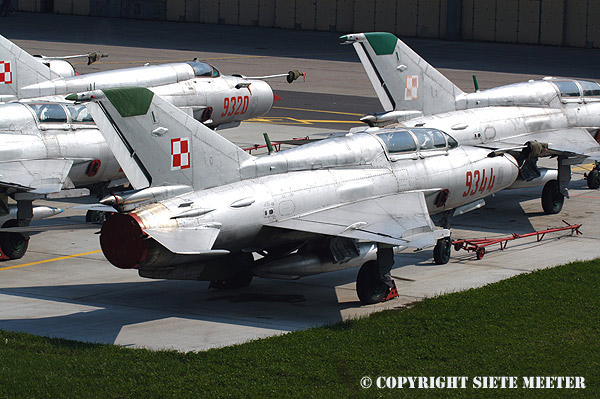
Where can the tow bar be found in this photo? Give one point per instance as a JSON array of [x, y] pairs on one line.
[[478, 245]]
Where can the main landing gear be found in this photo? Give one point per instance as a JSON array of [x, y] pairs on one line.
[[13, 245], [374, 283], [443, 246], [98, 217], [593, 177]]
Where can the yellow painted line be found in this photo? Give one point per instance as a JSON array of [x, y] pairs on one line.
[[293, 121], [586, 167], [50, 260], [318, 110]]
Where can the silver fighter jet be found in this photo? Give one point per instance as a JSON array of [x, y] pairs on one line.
[[48, 149], [49, 146], [196, 87], [559, 112], [203, 209]]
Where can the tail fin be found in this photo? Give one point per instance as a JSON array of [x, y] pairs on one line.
[[401, 78], [157, 144], [19, 69]]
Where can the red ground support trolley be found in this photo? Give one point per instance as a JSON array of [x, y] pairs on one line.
[[478, 245]]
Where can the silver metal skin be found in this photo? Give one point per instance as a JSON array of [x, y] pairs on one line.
[[319, 207], [196, 87], [559, 112], [47, 147], [52, 134], [48, 150]]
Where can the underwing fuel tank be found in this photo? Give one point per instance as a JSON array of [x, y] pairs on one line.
[[311, 263], [545, 176]]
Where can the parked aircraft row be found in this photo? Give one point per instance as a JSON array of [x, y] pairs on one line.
[[203, 209], [52, 147]]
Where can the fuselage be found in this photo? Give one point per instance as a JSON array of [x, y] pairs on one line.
[[196, 87], [528, 107], [39, 131], [319, 176], [51, 130]]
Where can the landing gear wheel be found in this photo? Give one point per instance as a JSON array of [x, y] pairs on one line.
[[241, 279], [369, 287], [593, 178], [13, 245], [552, 199], [442, 251], [480, 253], [95, 217]]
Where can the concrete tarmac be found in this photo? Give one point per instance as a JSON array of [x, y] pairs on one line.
[[64, 287]]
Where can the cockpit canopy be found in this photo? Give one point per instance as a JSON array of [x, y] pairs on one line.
[[577, 88], [409, 140], [204, 70]]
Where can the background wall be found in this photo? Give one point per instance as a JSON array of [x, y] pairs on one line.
[[554, 22]]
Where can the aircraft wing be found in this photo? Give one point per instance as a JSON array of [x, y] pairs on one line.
[[41, 176], [398, 219], [575, 142]]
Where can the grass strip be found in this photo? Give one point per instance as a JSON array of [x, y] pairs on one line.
[[544, 323]]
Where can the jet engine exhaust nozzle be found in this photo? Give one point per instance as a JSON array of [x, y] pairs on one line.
[[123, 241]]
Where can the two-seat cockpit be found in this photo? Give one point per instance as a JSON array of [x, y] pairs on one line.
[[421, 140], [577, 90], [45, 116]]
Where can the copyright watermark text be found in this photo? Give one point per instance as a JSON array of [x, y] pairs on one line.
[[478, 382]]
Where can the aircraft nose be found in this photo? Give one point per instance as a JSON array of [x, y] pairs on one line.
[[123, 241]]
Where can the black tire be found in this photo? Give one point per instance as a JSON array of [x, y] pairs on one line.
[[593, 179], [98, 217], [552, 199], [13, 245], [369, 287], [241, 279], [442, 251]]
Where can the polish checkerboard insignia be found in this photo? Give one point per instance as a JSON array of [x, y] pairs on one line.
[[412, 87], [6, 75], [180, 153]]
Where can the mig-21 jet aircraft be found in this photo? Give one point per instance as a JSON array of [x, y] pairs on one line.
[[563, 113], [49, 146], [196, 87], [203, 207]]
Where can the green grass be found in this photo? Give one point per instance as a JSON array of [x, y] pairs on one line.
[[544, 323]]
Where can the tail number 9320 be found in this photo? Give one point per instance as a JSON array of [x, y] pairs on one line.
[[235, 105], [479, 181]]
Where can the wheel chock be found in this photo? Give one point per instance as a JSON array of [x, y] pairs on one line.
[[392, 294]]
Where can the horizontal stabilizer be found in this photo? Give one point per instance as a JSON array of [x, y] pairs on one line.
[[186, 241], [398, 219], [96, 207]]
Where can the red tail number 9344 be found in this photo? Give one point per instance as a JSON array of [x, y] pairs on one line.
[[478, 182]]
